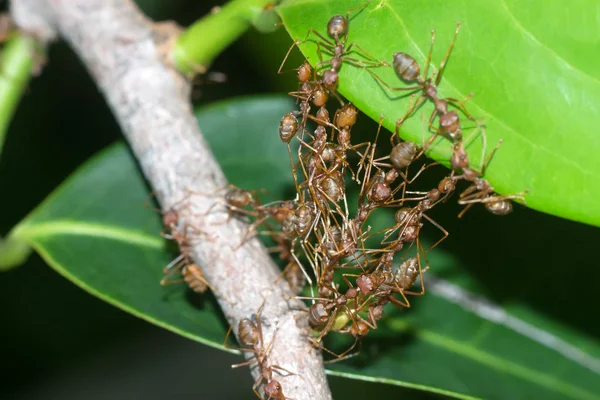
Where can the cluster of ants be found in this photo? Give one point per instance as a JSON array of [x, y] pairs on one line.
[[318, 235]]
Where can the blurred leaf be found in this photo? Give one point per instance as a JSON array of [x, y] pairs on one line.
[[112, 249], [532, 69]]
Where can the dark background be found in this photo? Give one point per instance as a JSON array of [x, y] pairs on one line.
[[59, 342]]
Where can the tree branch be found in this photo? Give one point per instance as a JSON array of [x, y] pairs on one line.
[[124, 52]]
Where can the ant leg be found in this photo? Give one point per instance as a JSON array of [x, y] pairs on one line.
[[428, 61], [308, 279], [255, 386], [438, 77], [421, 269], [464, 210], [411, 108], [388, 87], [358, 8], [277, 367], [165, 282], [489, 158], [294, 44], [243, 350], [399, 304], [342, 355], [250, 233], [445, 232], [347, 357], [375, 61], [325, 41], [175, 263], [489, 199]]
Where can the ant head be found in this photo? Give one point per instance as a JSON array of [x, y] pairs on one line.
[[170, 218], [446, 185], [319, 97], [359, 329], [365, 284], [304, 72], [273, 390]]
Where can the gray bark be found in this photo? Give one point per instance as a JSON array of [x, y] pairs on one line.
[[126, 55]]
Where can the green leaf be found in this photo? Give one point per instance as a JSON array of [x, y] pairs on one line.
[[531, 66], [96, 231]]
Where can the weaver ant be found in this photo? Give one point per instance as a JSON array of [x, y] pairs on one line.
[[250, 334]]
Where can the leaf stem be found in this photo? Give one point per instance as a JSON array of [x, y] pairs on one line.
[[193, 53], [16, 67], [13, 252]]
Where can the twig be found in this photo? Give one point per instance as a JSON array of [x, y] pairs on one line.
[[192, 54], [124, 53], [17, 64]]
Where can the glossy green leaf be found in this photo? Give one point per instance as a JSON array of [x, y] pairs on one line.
[[96, 231], [532, 68]]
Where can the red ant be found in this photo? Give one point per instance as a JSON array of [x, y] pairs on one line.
[[250, 334]]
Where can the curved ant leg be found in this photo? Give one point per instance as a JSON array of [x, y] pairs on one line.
[[294, 44], [391, 88], [400, 304]]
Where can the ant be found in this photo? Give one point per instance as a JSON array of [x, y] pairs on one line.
[[337, 45], [250, 335], [480, 190], [408, 70], [192, 274]]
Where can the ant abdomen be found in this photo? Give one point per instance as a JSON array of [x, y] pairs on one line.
[[304, 217], [248, 332], [406, 67], [288, 127], [319, 97], [401, 215], [337, 26], [194, 277], [333, 186], [403, 154], [238, 197], [499, 207], [317, 315], [407, 273]]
